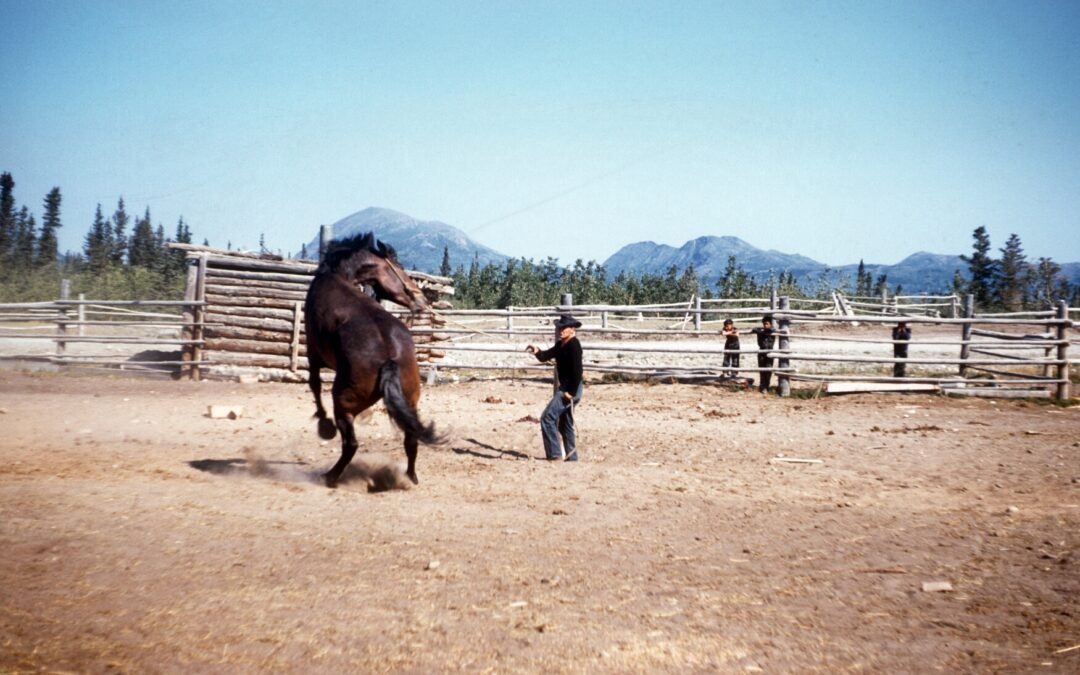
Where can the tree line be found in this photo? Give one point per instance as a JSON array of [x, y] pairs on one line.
[[1008, 283], [1011, 282], [122, 257], [523, 282]]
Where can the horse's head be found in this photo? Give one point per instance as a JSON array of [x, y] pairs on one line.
[[366, 261]]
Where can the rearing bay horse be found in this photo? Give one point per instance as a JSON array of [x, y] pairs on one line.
[[370, 350]]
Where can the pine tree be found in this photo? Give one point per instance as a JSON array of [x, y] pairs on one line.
[[959, 284], [178, 257], [1010, 275], [48, 246], [444, 268], [97, 244], [119, 235], [882, 284], [7, 215], [1046, 286], [22, 250], [982, 268], [141, 249]]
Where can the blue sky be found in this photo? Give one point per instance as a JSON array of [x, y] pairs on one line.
[[836, 130]]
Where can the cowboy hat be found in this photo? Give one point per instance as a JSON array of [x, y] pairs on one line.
[[567, 321]]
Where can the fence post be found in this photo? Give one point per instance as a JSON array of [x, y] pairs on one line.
[[61, 327], [510, 320], [965, 331], [294, 344], [697, 313], [884, 301], [326, 235], [783, 382], [82, 314], [954, 306], [187, 332], [772, 299], [1063, 351], [200, 316]]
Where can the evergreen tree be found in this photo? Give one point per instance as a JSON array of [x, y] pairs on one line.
[[1046, 286], [882, 284], [178, 257], [982, 268], [688, 285], [22, 249], [141, 249], [444, 268], [119, 235], [48, 246], [824, 286], [7, 215], [862, 280], [1010, 275], [98, 244], [959, 285]]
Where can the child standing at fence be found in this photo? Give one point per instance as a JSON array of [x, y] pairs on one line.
[[900, 335], [731, 348], [765, 340]]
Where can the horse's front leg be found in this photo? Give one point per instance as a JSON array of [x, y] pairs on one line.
[[348, 446], [326, 426]]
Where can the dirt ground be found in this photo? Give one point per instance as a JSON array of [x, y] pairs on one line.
[[139, 535]]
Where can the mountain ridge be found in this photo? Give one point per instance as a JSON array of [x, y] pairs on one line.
[[420, 246]]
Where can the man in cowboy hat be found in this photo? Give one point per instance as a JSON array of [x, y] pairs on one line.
[[558, 416]]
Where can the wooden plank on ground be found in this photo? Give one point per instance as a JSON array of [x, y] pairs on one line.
[[861, 387], [995, 392]]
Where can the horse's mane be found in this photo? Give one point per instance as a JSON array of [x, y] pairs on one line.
[[341, 250]]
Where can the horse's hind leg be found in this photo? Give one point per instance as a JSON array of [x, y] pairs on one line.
[[410, 453], [326, 426], [348, 448]]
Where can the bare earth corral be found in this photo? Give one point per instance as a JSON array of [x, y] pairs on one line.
[[139, 535]]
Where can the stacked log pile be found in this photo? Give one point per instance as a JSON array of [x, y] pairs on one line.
[[253, 316]]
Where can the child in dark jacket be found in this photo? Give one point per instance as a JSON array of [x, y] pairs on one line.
[[731, 348], [765, 341]]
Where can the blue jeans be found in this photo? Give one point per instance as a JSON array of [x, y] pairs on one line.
[[558, 420]]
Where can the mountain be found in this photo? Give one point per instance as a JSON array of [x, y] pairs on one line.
[[918, 272], [420, 247], [419, 243], [709, 256]]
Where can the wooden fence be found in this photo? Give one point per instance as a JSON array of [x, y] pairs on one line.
[[242, 316], [1023, 354]]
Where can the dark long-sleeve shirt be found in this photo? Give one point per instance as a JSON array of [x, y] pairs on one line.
[[900, 348], [567, 363], [765, 337], [765, 341]]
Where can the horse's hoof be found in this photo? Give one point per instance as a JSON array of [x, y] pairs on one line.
[[331, 481], [412, 477], [327, 429]]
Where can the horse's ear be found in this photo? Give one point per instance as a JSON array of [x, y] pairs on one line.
[[387, 251]]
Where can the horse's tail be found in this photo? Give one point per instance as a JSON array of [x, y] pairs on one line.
[[398, 406]]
